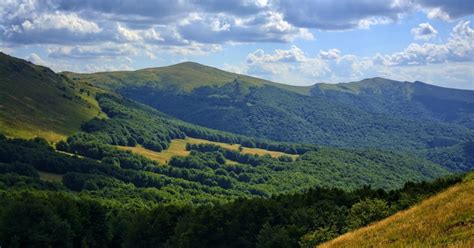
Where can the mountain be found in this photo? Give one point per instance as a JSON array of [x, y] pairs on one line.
[[35, 101], [182, 77], [115, 121], [213, 98], [443, 220], [408, 100]]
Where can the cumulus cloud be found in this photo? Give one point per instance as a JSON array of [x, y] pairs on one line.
[[459, 47], [424, 31], [36, 59], [264, 27], [330, 54], [51, 28], [450, 64], [92, 52], [341, 14], [447, 10]]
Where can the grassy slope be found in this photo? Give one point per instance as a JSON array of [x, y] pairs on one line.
[[178, 148], [34, 101], [184, 76], [444, 220]]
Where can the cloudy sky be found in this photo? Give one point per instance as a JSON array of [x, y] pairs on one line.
[[299, 42]]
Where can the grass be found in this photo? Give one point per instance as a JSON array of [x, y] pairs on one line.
[[178, 148], [34, 101], [444, 220], [184, 76], [51, 177]]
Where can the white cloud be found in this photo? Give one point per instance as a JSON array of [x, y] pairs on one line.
[[459, 47], [36, 59], [218, 29], [424, 31], [450, 64], [330, 54]]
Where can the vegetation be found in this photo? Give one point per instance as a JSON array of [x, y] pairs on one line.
[[408, 100], [213, 98], [37, 102], [177, 147], [457, 158], [128, 175], [99, 210], [443, 220]]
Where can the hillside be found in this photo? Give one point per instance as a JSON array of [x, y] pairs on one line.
[[405, 99], [128, 125], [185, 76], [444, 220], [213, 98], [35, 101]]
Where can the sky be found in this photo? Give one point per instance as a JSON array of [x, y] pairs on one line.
[[297, 42]]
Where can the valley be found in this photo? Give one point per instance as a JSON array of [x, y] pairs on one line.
[[140, 148]]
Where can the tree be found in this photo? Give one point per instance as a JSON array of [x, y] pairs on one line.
[[319, 236], [366, 212], [31, 222], [273, 237]]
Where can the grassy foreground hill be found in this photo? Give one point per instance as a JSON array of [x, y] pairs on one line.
[[443, 220], [35, 101]]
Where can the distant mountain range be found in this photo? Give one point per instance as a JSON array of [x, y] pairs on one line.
[[374, 112]]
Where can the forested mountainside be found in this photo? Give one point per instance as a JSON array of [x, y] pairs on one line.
[[399, 116], [408, 100]]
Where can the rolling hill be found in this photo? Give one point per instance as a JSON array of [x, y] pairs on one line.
[[35, 101], [444, 220], [408, 100], [213, 98]]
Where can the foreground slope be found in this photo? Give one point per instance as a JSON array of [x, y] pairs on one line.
[[213, 98], [35, 101], [444, 220]]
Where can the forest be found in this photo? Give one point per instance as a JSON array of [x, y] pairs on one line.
[[102, 210]]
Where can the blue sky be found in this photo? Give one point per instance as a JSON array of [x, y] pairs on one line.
[[298, 42]]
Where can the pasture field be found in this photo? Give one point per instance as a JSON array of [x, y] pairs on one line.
[[51, 177], [178, 148]]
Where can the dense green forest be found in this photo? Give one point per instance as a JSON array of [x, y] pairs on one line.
[[38, 213], [404, 99]]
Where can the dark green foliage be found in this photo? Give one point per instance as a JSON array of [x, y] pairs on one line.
[[277, 114], [457, 158], [407, 100], [35, 218], [18, 168], [29, 222], [131, 124], [201, 179], [366, 212]]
